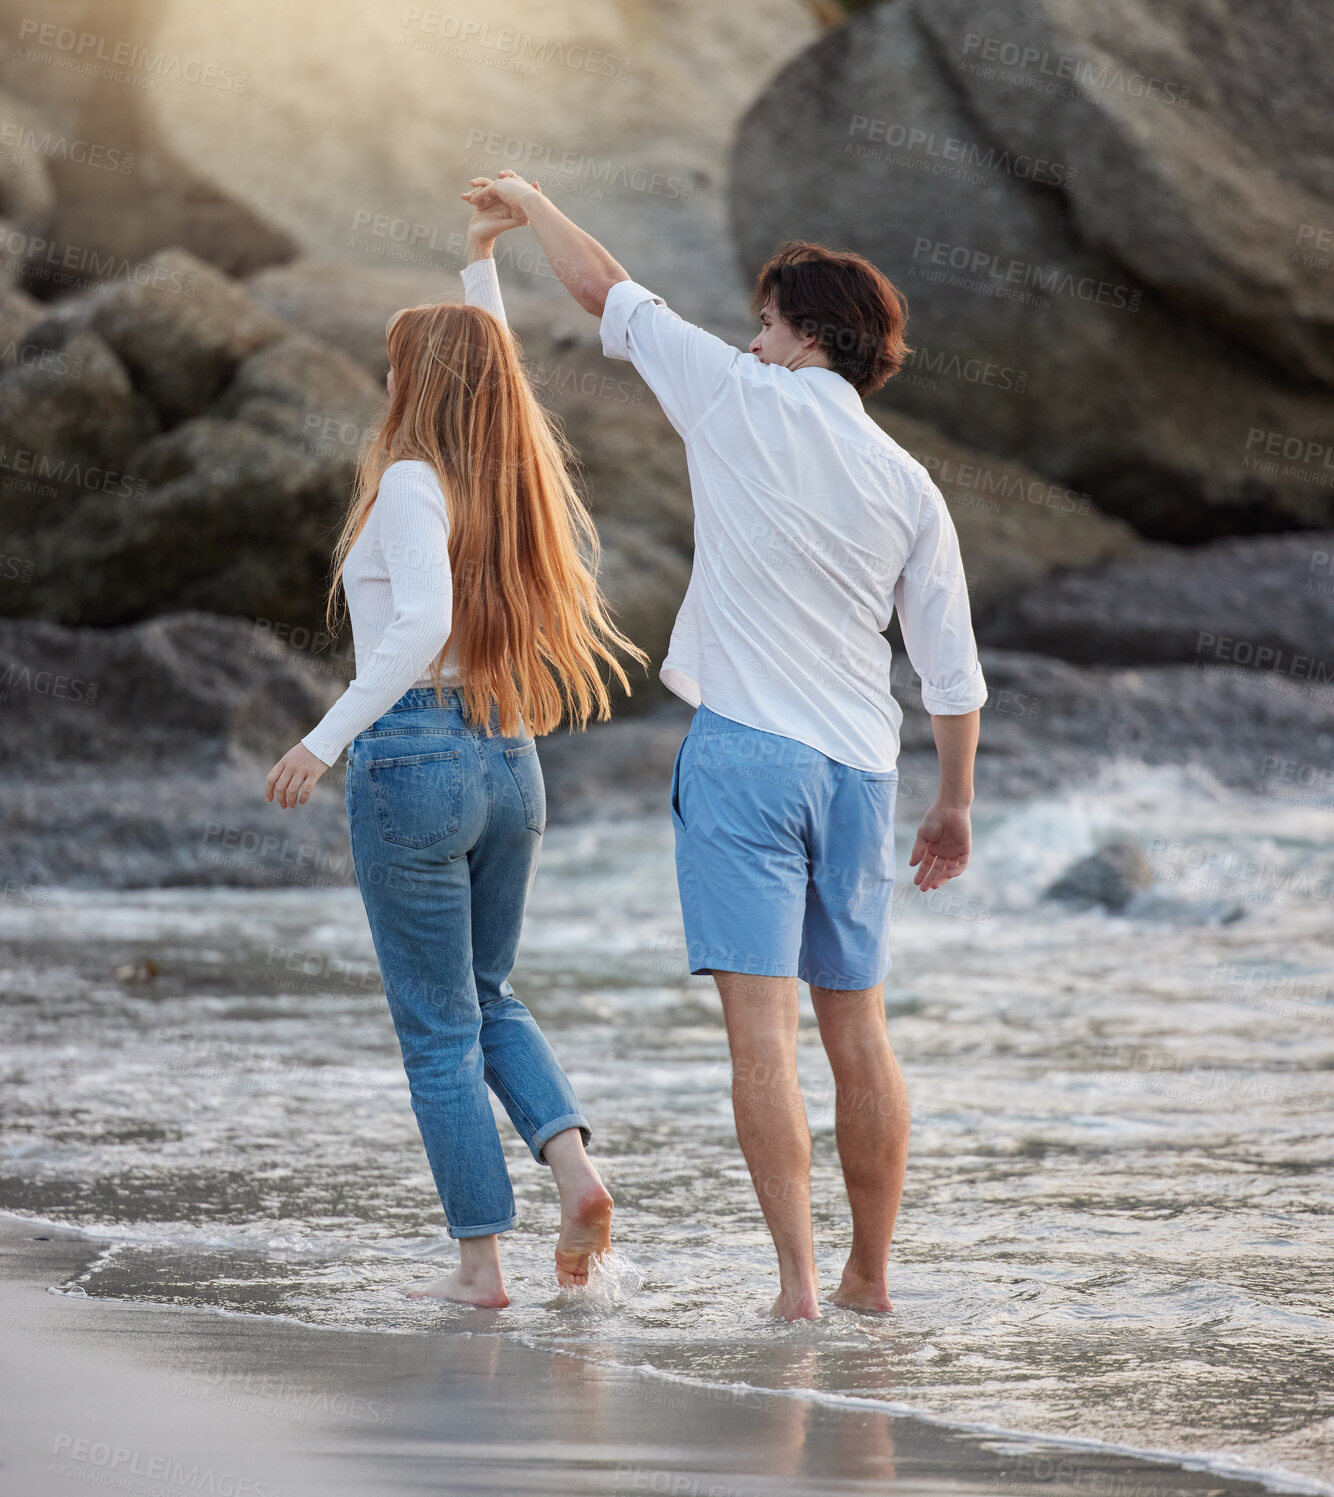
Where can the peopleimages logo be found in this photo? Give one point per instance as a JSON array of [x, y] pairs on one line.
[[87, 52], [989, 271], [913, 139], [1064, 73]]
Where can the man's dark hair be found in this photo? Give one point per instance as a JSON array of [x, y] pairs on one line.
[[856, 310]]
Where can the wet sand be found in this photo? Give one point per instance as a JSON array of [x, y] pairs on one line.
[[166, 1400]]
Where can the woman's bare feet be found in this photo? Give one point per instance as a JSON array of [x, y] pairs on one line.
[[585, 1208], [476, 1281], [585, 1233], [802, 1303], [487, 1292], [869, 1296]]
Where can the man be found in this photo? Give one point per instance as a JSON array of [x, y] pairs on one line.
[[811, 527]]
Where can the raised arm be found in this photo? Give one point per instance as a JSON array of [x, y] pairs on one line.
[[682, 364], [587, 270], [481, 287]]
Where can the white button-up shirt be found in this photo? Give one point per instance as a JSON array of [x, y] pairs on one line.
[[812, 526]]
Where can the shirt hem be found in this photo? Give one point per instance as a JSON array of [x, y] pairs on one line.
[[669, 674]]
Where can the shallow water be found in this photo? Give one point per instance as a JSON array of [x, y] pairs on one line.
[[1116, 1221]]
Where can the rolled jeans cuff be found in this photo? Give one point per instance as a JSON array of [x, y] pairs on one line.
[[559, 1125], [488, 1229]]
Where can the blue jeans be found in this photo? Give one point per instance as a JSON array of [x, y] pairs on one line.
[[446, 826]]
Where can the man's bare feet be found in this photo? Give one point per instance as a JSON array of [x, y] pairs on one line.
[[797, 1304], [486, 1290], [585, 1232], [868, 1296]]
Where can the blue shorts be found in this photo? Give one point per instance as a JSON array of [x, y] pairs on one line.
[[784, 857]]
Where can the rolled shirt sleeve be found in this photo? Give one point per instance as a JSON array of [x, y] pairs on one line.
[[682, 364], [412, 535], [931, 600]]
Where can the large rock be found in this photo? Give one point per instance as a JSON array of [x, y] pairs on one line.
[[232, 508], [18, 313], [27, 193], [190, 687], [105, 186], [1015, 527], [307, 393], [1202, 137], [70, 416], [1110, 877], [1118, 388], [1265, 602], [228, 519], [137, 756], [349, 306], [1048, 723], [623, 111], [183, 332]]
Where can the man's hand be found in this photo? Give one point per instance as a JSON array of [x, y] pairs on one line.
[[293, 777], [944, 840], [491, 213], [506, 191]]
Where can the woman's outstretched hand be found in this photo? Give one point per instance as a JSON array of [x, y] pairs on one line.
[[293, 777]]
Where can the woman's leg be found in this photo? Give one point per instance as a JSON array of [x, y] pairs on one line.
[[419, 904], [521, 1066]]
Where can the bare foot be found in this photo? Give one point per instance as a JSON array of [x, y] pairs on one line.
[[585, 1232], [868, 1296], [487, 1291], [797, 1304]]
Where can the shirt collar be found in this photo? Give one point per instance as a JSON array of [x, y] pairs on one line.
[[833, 384]]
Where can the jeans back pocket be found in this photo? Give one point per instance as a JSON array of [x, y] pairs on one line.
[[417, 797], [527, 771]]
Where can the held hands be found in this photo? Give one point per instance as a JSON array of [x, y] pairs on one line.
[[498, 203], [293, 777], [944, 841]]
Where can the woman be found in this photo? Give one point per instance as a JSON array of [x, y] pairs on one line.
[[476, 623]]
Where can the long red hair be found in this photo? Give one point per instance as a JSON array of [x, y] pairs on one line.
[[532, 627]]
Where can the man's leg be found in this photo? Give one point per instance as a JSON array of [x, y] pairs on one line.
[[871, 1124], [761, 1017]]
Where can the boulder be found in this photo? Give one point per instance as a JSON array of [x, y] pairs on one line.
[[644, 582], [1117, 387], [70, 416], [225, 518], [1257, 601], [1048, 723], [103, 187], [1186, 171], [1015, 527], [27, 193], [308, 394], [19, 312], [183, 332], [1109, 877], [623, 112], [349, 306], [185, 688], [137, 756]]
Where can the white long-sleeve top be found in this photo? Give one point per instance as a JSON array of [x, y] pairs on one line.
[[398, 584], [812, 527]]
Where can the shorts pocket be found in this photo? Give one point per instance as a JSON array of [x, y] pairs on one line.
[[675, 795], [527, 771], [417, 797]]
